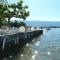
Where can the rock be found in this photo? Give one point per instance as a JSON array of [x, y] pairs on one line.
[[32, 29], [22, 29], [38, 28]]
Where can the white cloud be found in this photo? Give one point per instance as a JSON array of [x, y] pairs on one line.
[[18, 19], [41, 18], [32, 18]]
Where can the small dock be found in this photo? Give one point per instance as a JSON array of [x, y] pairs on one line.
[[18, 40]]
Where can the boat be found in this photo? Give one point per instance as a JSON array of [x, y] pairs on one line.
[[48, 28]]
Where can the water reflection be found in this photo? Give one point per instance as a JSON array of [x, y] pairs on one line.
[[25, 54], [37, 44], [49, 53], [33, 57], [36, 52], [22, 55], [27, 45]]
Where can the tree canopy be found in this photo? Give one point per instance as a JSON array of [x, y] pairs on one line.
[[13, 10]]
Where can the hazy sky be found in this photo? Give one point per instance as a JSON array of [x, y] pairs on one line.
[[43, 9]]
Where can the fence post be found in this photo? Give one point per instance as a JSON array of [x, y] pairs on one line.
[[17, 40], [3, 46]]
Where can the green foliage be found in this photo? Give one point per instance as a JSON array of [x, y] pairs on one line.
[[12, 24], [3, 8], [4, 22], [16, 24], [22, 24], [0, 20], [13, 10], [19, 10]]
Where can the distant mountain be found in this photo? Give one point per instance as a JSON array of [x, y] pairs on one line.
[[43, 23]]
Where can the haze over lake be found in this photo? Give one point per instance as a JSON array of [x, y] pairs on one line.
[[43, 23]]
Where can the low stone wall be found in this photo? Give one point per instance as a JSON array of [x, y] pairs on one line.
[[19, 39]]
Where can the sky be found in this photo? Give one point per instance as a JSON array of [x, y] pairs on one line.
[[42, 10]]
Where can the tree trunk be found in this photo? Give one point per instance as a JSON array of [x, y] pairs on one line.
[[0, 22], [9, 22]]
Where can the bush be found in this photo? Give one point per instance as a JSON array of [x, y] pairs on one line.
[[16, 24], [22, 24], [4, 23]]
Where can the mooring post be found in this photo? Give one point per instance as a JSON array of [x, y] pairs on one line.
[[17, 40], [3, 46]]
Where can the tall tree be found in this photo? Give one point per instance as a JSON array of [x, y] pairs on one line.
[[13, 10], [3, 8], [18, 10]]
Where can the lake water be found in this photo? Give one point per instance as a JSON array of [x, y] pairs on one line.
[[45, 47]]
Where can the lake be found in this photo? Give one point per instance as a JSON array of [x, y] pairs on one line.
[[45, 47]]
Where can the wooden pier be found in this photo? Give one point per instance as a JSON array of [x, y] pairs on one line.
[[19, 39]]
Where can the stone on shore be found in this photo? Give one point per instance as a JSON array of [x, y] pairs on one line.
[[22, 29]]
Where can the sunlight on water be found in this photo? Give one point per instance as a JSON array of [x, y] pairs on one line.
[[27, 45], [36, 52], [10, 56], [22, 55], [33, 57], [37, 44], [49, 53]]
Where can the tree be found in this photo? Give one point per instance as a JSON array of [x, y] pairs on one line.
[[15, 24], [13, 10], [4, 22], [22, 24], [18, 10], [12, 24], [3, 8]]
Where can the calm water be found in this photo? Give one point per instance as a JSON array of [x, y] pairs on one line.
[[45, 47]]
